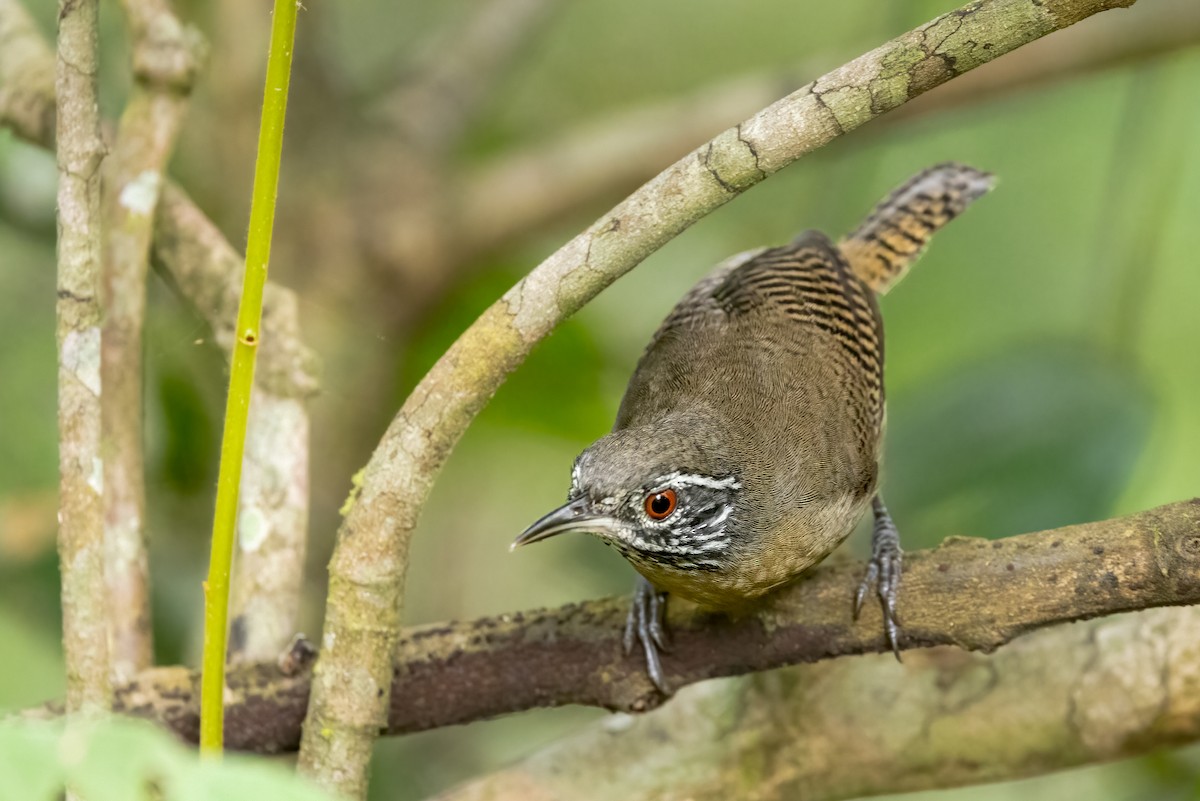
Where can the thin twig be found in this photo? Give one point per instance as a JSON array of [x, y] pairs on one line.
[[241, 372], [165, 56], [80, 465], [972, 593], [352, 690]]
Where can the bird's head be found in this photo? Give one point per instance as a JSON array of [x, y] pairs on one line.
[[654, 494]]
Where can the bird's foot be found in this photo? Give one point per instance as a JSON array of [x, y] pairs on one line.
[[883, 572], [646, 625]]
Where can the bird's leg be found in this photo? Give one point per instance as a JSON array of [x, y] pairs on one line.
[[646, 625], [884, 572]]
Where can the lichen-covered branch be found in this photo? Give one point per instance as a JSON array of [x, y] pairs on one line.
[[1092, 692], [165, 60], [972, 593], [80, 464], [525, 189], [351, 691]]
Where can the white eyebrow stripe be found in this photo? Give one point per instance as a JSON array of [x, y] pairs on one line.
[[691, 479]]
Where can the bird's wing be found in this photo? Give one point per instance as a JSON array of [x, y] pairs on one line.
[[803, 292], [809, 283], [893, 236]]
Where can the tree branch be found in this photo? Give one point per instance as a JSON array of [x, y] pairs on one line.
[[207, 270], [165, 61], [1057, 699], [523, 190], [454, 673], [351, 693], [80, 463]]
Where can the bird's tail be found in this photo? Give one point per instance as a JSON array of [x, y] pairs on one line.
[[882, 249]]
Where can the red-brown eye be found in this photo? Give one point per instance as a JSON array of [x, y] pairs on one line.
[[660, 505]]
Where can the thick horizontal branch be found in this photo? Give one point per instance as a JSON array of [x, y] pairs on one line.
[[973, 593], [1059, 698]]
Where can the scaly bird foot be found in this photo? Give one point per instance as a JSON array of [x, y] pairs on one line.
[[883, 572], [646, 625]]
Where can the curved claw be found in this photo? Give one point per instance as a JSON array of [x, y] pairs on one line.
[[865, 586], [883, 572], [646, 624]]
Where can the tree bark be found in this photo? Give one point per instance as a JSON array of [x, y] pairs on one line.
[[1059, 698], [78, 312], [971, 593]]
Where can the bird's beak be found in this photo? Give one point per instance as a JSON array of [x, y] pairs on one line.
[[574, 516]]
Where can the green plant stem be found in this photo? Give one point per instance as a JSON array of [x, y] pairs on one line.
[[241, 373]]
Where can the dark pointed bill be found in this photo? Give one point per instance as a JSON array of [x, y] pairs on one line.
[[574, 516]]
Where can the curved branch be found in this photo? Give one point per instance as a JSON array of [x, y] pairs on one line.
[[973, 593], [351, 693], [525, 189]]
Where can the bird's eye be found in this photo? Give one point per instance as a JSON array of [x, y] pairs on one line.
[[659, 505]]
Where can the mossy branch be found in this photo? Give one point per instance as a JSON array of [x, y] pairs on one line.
[[351, 693]]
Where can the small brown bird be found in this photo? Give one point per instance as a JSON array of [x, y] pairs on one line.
[[747, 445]]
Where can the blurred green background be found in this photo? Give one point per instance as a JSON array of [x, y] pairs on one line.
[[1042, 358]]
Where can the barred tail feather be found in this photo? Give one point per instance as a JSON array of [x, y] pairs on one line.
[[882, 249]]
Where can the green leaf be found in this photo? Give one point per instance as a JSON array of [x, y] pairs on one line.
[[119, 759], [28, 763]]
